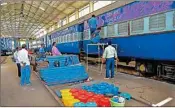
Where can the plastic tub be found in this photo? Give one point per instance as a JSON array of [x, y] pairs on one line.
[[116, 104]]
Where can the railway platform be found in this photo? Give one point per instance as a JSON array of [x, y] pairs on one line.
[[145, 92]]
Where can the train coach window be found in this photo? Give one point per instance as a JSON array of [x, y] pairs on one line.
[[86, 34], [137, 26], [102, 33], [65, 38], [157, 22], [75, 37], [123, 28], [110, 31], [62, 39]]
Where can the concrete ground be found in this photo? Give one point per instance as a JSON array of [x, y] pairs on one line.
[[12, 94], [145, 91]]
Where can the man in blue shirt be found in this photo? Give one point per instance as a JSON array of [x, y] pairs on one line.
[[96, 38], [41, 50], [92, 24]]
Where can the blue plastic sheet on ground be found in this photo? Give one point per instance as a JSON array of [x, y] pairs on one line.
[[66, 73]]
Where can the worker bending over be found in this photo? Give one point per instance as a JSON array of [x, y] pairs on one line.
[[109, 56], [25, 66]]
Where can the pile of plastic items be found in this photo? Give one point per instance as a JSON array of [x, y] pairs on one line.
[[102, 88], [92, 96], [62, 75], [69, 70], [64, 60]]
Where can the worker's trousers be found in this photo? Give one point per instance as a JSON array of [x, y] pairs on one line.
[[25, 75], [110, 64], [19, 69]]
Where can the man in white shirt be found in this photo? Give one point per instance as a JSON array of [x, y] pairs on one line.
[[25, 66], [109, 56], [17, 61]]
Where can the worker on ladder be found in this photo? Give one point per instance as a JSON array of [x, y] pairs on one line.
[[109, 56], [92, 24], [96, 37]]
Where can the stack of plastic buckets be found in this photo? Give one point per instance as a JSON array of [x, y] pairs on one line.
[[67, 98]]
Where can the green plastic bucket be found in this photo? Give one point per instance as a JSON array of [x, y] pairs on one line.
[[116, 104]]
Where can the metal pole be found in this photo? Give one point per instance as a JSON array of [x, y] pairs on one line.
[[87, 58]]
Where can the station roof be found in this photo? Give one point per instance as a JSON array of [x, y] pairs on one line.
[[26, 18]]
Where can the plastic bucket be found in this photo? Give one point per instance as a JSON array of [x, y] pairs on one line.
[[83, 98], [82, 92], [71, 102], [66, 94], [116, 104], [73, 90], [64, 91], [104, 102], [76, 95], [66, 100], [89, 94]]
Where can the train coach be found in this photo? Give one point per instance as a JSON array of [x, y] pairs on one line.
[[143, 31]]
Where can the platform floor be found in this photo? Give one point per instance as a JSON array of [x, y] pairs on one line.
[[147, 91], [12, 94]]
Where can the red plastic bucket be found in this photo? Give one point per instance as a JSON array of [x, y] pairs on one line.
[[104, 102], [76, 95], [83, 98], [82, 92], [98, 96], [89, 94], [92, 99], [73, 90]]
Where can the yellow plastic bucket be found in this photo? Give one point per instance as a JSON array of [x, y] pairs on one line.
[[67, 99], [71, 102], [64, 91], [66, 94]]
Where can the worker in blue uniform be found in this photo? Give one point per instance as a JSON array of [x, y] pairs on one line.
[[92, 24], [96, 38], [109, 56], [42, 51]]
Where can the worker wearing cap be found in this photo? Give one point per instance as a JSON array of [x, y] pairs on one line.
[[92, 24], [109, 56], [25, 66]]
